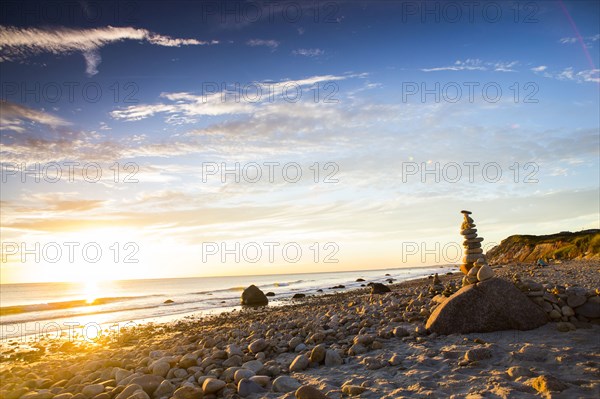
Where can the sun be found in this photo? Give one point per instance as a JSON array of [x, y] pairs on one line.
[[91, 290]]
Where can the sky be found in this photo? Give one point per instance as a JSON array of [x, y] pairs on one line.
[[150, 139]]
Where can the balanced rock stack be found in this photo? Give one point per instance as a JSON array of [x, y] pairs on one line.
[[474, 264]]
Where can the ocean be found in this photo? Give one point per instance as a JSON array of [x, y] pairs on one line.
[[48, 308]]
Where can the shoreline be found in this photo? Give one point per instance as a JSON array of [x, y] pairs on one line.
[[106, 318], [376, 345]]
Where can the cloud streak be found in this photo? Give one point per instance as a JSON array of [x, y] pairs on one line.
[[475, 64], [272, 44], [20, 43], [13, 117]]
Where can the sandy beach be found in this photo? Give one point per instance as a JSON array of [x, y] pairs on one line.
[[349, 344]]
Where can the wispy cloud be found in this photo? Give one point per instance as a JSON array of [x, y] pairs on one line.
[[475, 64], [587, 40], [183, 107], [308, 52], [272, 44], [540, 68], [19, 43], [13, 117], [570, 74]]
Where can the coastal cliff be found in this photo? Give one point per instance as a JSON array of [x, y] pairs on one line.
[[565, 245]]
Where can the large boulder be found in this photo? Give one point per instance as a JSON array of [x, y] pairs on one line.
[[253, 296], [491, 305], [378, 288]]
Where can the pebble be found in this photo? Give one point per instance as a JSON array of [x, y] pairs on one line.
[[212, 385], [308, 392], [353, 390], [258, 345], [478, 354], [247, 387], [243, 373], [285, 384], [187, 392], [317, 355], [300, 363], [92, 390], [519, 371]]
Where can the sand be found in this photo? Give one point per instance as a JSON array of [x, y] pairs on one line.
[[380, 341]]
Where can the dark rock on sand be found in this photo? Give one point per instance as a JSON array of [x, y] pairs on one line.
[[253, 296], [299, 296], [491, 305], [335, 287], [360, 280], [270, 294], [590, 309], [378, 288]]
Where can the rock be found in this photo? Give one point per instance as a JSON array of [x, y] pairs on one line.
[[478, 354], [212, 385], [285, 383], [317, 355], [253, 296], [241, 374], [485, 273], [567, 311], [148, 382], [92, 390], [300, 363], [492, 305], [360, 280], [554, 314], [574, 300], [187, 392], [233, 350], [332, 358], [299, 296], [169, 301], [165, 389], [401, 332], [353, 390], [270, 294], [258, 345], [590, 309], [254, 365], [128, 391], [139, 395], [161, 368], [547, 383], [247, 387], [308, 392], [378, 288], [262, 380]]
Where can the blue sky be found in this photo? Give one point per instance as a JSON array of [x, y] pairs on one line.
[[170, 88]]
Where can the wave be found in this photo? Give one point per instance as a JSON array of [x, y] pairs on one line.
[[77, 303]]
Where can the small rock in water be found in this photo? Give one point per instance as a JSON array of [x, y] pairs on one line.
[[253, 296], [299, 296], [169, 301]]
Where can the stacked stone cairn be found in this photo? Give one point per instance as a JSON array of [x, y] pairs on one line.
[[474, 265]]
